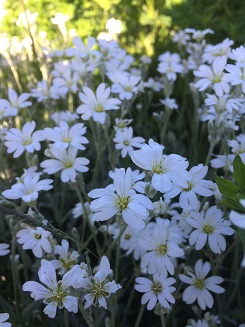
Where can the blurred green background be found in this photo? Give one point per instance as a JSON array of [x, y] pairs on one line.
[[147, 24]]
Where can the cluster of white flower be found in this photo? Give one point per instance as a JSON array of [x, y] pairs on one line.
[[156, 207]]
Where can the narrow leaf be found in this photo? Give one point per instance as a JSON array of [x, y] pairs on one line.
[[239, 171], [241, 233]]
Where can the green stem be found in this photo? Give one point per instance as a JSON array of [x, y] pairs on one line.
[[88, 318], [210, 151], [88, 221], [15, 279], [66, 318], [168, 113], [139, 317], [163, 323], [115, 241]]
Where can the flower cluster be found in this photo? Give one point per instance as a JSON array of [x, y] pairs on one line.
[[113, 152]]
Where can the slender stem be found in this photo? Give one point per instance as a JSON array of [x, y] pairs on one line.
[[115, 241], [111, 156], [168, 113], [88, 221], [210, 151], [163, 323], [15, 278], [88, 318], [139, 317], [66, 318]]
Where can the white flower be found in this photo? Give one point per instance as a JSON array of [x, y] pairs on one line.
[[3, 318], [55, 294], [4, 249], [121, 198], [81, 50], [238, 219], [67, 82], [170, 103], [43, 91], [200, 285], [158, 290], [137, 184], [170, 65], [17, 102], [223, 161], [67, 162], [196, 185], [66, 116], [214, 76], [114, 26], [78, 211], [67, 259], [35, 239], [63, 136], [236, 75], [96, 105], [209, 226], [98, 288], [129, 242], [165, 168], [124, 84], [161, 245], [126, 142], [28, 187], [211, 52], [18, 141]]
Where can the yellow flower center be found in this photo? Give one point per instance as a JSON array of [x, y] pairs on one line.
[[27, 142], [58, 295], [162, 249], [189, 187], [156, 288], [126, 142], [208, 229], [199, 283], [99, 108], [68, 164], [127, 237], [158, 169], [38, 236], [67, 140], [122, 203]]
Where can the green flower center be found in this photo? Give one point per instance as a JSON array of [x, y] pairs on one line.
[[156, 288], [67, 140], [99, 108], [127, 237], [97, 289], [128, 89], [38, 236], [199, 283], [122, 203], [27, 142], [68, 263], [126, 142], [58, 295], [189, 187], [158, 169], [162, 249], [68, 164], [208, 229], [216, 79]]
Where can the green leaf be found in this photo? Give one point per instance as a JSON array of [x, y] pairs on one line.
[[227, 188], [231, 204], [241, 233], [239, 172]]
